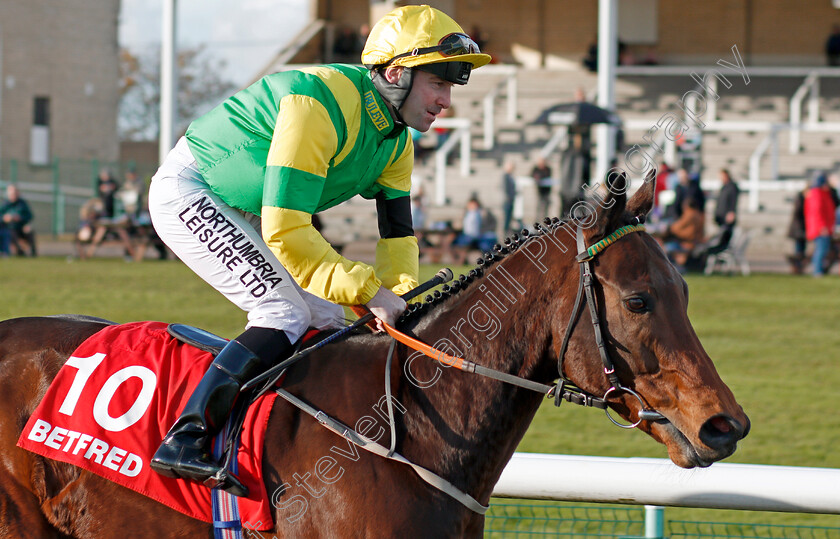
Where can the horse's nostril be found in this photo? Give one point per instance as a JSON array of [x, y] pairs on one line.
[[721, 431], [720, 424]]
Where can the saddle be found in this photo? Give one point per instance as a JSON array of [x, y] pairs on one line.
[[199, 338], [144, 374]]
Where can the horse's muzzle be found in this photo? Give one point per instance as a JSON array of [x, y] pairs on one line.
[[722, 433]]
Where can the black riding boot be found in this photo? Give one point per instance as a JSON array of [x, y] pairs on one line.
[[185, 451]]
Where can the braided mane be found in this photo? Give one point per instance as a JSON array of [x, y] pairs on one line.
[[510, 244]]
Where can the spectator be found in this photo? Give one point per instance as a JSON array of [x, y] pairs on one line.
[[136, 220], [541, 173], [650, 57], [420, 153], [478, 229], [796, 232], [479, 36], [726, 209], [833, 183], [15, 228], [361, 39], [688, 186], [832, 46], [418, 220], [346, 46], [418, 212], [89, 215], [685, 234], [590, 61], [106, 189], [661, 185], [95, 228], [509, 190], [131, 195], [819, 222]]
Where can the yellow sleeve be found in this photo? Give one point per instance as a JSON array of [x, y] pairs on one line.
[[312, 262], [397, 263], [395, 180]]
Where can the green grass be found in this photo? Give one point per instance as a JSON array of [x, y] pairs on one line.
[[116, 290], [775, 340]]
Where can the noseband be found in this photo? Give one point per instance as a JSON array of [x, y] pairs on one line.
[[565, 388]]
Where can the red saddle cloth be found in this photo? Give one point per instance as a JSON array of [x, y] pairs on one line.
[[111, 404]]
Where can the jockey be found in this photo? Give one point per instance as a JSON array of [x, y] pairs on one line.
[[234, 200]]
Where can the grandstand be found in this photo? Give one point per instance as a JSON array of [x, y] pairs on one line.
[[745, 114]]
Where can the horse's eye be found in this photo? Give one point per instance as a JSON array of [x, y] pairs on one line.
[[636, 304]]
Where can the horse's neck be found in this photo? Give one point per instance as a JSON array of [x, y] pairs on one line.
[[466, 424]]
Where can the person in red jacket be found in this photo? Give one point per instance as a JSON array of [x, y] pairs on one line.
[[819, 221]]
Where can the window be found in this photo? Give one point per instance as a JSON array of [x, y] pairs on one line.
[[41, 111], [39, 135]]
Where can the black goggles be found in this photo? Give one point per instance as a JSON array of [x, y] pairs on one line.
[[449, 45]]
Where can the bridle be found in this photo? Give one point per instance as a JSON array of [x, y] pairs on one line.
[[565, 388]]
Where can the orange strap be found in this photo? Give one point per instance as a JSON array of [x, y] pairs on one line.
[[434, 353]]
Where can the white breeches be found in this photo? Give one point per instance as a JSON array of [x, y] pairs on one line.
[[224, 247]]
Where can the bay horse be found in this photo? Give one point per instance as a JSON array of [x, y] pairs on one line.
[[513, 318]]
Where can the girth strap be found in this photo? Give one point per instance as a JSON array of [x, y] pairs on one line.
[[369, 445]]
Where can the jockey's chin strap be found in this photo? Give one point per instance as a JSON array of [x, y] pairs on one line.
[[564, 385]]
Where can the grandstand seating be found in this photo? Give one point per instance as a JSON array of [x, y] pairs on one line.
[[638, 98]]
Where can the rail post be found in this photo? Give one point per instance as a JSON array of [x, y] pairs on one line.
[[58, 201], [654, 521]]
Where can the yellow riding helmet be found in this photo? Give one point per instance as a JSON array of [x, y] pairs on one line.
[[411, 36]]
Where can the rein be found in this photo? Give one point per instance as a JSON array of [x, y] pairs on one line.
[[463, 364]]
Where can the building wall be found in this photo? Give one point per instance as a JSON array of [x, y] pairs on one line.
[[558, 32], [66, 51]]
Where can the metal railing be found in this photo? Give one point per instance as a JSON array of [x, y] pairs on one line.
[[461, 136], [656, 483], [510, 87], [770, 142], [56, 192], [811, 88], [768, 147], [527, 519]]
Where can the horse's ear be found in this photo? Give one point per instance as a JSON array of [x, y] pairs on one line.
[[609, 204], [641, 202]]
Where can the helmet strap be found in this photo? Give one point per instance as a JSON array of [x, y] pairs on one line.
[[399, 123], [394, 93]]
